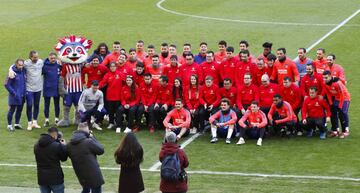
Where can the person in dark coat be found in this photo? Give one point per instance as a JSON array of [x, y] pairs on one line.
[[83, 150], [49, 151], [170, 147], [129, 155]]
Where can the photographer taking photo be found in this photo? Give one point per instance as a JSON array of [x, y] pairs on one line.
[[49, 151]]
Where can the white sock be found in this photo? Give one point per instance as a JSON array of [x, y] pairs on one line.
[[29, 123], [213, 131], [10, 125], [47, 120], [230, 132]]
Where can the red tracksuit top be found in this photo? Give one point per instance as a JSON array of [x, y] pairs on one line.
[[285, 111], [217, 115], [254, 119], [266, 94], [114, 86], [256, 79], [241, 69], [181, 118], [126, 96], [164, 95], [192, 97], [188, 70], [338, 90], [227, 69], [338, 71], [124, 71], [210, 69], [314, 108], [283, 69], [139, 78], [93, 73], [112, 57], [156, 72], [220, 57], [210, 95], [309, 81], [149, 93], [230, 93], [291, 95], [320, 66], [132, 65], [172, 72], [246, 94]]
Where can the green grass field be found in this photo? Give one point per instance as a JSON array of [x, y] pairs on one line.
[[27, 25]]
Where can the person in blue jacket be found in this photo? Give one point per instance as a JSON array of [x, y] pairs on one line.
[[50, 71], [15, 85]]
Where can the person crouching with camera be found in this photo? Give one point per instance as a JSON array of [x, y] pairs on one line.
[[49, 151]]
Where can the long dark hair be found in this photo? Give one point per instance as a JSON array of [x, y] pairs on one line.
[[132, 87], [180, 89], [197, 85], [97, 50], [130, 152]]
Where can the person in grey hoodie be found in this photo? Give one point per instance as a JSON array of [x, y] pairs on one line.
[[83, 150]]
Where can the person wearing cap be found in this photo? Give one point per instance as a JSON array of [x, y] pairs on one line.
[[91, 103], [170, 147], [49, 150]]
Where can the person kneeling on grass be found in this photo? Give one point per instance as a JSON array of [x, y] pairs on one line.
[[254, 121], [223, 122], [180, 118]]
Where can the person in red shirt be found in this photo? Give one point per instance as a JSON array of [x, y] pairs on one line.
[[254, 121], [209, 99], [311, 79], [281, 116], [130, 97], [177, 90], [140, 53], [114, 55], [271, 58], [223, 122], [229, 92], [266, 51], [180, 118], [284, 67], [189, 69], [164, 54], [123, 69], [335, 69], [210, 68], [186, 50], [339, 99], [173, 52], [192, 101], [227, 68], [139, 73], [313, 113], [156, 69], [320, 63], [246, 94], [93, 72], [173, 71], [221, 55], [148, 92], [266, 91], [132, 59], [164, 99], [244, 45], [243, 66], [260, 71], [150, 53], [113, 85]]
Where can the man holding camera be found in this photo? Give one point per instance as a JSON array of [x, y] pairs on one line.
[[49, 151]]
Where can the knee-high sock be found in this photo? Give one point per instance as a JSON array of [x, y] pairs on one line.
[[213, 131], [230, 131]]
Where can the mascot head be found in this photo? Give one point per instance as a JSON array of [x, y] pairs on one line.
[[72, 49]]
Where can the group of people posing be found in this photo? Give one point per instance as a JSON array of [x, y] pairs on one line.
[[230, 94]]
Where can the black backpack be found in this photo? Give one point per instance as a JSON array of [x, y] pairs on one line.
[[170, 168]]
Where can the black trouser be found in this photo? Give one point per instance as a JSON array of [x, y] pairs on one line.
[[313, 123], [204, 115], [86, 116], [195, 118], [160, 114], [130, 114], [106, 102], [298, 124], [260, 131], [287, 126], [112, 108], [150, 115]]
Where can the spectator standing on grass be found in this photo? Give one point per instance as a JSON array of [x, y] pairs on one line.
[[83, 150], [129, 155], [49, 151]]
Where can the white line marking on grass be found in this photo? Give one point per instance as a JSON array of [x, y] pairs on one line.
[[216, 173], [158, 5], [182, 146]]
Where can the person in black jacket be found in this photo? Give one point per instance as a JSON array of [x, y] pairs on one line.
[[83, 150], [49, 151]]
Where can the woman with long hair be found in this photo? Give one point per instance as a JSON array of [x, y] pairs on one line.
[[129, 155], [177, 90], [192, 101]]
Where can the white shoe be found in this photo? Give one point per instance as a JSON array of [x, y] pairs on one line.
[[241, 141], [110, 126], [259, 142], [193, 130], [96, 126], [127, 130], [10, 128], [29, 127], [299, 133], [118, 130], [92, 119], [106, 118], [35, 125]]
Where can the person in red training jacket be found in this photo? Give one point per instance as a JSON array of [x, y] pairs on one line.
[[113, 85], [139, 73], [291, 93], [284, 66], [192, 101], [130, 97], [93, 72], [320, 63], [173, 71], [140, 53], [339, 99], [223, 122], [266, 51], [132, 59], [266, 91], [229, 92], [221, 54], [313, 113], [164, 100], [114, 55], [170, 147], [180, 120], [311, 79], [227, 68], [246, 94], [156, 69], [150, 53], [123, 69], [271, 58], [335, 69], [189, 69], [281, 116], [209, 99], [260, 71], [210, 68], [243, 67], [254, 121]]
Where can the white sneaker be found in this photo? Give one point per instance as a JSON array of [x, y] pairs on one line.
[[213, 140], [193, 130], [96, 126], [92, 119], [118, 130], [127, 130], [110, 126], [35, 124], [241, 141], [30, 125], [10, 128], [106, 118], [299, 133], [259, 142]]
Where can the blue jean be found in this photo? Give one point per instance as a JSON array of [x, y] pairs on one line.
[[32, 99], [93, 190], [55, 188]]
